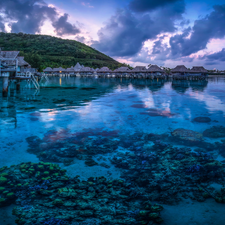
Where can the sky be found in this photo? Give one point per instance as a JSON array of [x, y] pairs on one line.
[[137, 32]]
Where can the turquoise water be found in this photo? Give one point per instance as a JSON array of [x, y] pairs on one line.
[[155, 137]]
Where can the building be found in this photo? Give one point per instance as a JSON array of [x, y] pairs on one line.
[[12, 64], [198, 71], [104, 70], [48, 70], [155, 70], [139, 71], [180, 70]]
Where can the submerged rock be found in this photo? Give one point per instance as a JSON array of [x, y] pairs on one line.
[[186, 135], [215, 132], [202, 119]]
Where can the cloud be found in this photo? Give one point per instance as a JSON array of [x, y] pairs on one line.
[[29, 15], [62, 27], [219, 56], [2, 26], [125, 32], [194, 39], [148, 5], [81, 39]]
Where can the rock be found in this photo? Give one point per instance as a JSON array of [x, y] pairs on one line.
[[57, 202], [202, 119], [189, 136], [90, 162], [215, 132]]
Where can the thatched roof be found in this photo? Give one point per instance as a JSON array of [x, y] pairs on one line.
[[22, 62], [71, 69], [9, 54], [86, 69], [56, 70], [104, 70], [77, 67], [198, 69], [62, 69], [154, 68], [48, 69], [122, 69], [139, 69], [180, 69]]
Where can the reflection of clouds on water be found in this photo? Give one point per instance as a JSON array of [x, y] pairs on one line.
[[212, 102], [147, 98]]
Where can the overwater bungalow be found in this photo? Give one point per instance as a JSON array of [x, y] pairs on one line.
[[70, 70], [180, 70], [198, 71], [48, 70], [77, 67], [104, 71], [55, 70], [86, 71], [139, 71], [122, 71], [22, 64], [61, 70], [155, 70], [12, 64]]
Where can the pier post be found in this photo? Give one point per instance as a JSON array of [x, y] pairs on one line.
[[18, 85], [5, 85]]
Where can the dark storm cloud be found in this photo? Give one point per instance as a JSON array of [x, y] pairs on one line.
[[125, 32], [29, 15], [62, 26], [195, 39], [147, 5], [218, 56]]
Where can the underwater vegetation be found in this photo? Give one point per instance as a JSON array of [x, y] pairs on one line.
[[45, 195]]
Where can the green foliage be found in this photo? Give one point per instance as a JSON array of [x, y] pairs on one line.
[[42, 51], [167, 70]]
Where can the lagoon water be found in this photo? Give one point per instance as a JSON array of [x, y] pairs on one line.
[[165, 140]]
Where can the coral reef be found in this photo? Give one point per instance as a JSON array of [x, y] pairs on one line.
[[188, 136], [55, 199], [215, 132]]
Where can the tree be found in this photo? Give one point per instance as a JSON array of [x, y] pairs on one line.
[[34, 60]]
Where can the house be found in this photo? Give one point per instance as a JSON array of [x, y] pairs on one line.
[[180, 70], [155, 70], [198, 71], [77, 67], [70, 70], [9, 63], [12, 63], [86, 71], [22, 64], [139, 71], [48, 70], [104, 70]]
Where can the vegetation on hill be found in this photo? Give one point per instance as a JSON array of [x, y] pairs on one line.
[[42, 51]]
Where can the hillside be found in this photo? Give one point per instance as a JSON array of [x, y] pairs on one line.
[[54, 52]]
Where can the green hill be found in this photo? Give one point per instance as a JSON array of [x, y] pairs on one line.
[[54, 52]]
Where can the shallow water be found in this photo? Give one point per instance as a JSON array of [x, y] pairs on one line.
[[82, 123]]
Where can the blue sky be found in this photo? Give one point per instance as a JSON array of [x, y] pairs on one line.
[[138, 32]]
